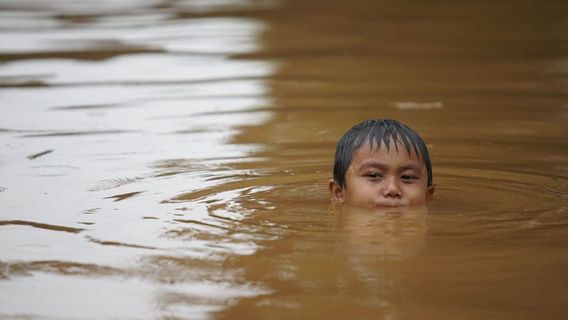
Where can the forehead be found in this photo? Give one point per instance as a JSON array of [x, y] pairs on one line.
[[394, 156]]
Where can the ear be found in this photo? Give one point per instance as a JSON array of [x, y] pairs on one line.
[[335, 191], [430, 193]]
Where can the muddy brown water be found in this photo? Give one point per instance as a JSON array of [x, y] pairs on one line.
[[169, 160]]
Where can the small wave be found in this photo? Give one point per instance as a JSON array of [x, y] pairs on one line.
[[123, 196], [109, 184], [52, 266], [76, 133], [40, 225], [119, 244]]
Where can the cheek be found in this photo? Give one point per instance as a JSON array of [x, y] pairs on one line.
[[359, 190], [417, 193]]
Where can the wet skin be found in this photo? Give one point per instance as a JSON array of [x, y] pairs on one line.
[[381, 178]]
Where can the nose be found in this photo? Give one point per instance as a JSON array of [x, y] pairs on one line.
[[392, 188]]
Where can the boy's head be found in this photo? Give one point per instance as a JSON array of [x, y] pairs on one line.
[[381, 163]]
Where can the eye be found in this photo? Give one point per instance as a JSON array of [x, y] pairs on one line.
[[373, 175], [408, 177]]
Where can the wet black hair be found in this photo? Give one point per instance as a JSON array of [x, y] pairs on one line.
[[378, 132]]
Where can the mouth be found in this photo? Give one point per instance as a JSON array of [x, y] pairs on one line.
[[389, 204]]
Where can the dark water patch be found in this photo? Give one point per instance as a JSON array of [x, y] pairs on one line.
[[86, 55], [6, 130], [77, 19], [194, 131], [25, 81], [123, 196], [217, 113], [78, 133], [16, 79], [50, 266], [200, 223], [87, 107], [37, 155], [90, 211], [119, 244], [25, 84], [40, 225]]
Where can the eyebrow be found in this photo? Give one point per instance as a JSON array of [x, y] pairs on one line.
[[375, 164], [411, 167]]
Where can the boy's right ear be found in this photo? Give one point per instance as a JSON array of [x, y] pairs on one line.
[[335, 191], [430, 193]]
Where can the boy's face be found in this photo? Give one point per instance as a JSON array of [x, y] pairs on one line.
[[381, 178]]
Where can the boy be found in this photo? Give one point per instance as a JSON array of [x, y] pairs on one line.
[[381, 163]]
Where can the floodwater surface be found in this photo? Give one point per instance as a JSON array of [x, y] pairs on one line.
[[169, 160]]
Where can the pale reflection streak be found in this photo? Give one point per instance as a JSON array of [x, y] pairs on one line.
[[133, 107], [369, 238], [387, 233], [323, 257]]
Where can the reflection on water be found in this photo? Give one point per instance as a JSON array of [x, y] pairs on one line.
[[170, 160], [394, 234], [108, 112]]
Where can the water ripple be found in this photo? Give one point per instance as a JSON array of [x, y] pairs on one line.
[[40, 225]]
